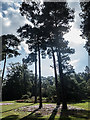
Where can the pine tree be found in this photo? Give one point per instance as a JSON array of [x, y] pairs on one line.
[[10, 45], [85, 23]]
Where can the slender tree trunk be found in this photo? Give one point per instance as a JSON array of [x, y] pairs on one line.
[[4, 67], [40, 94], [24, 79], [63, 94], [35, 76], [56, 79]]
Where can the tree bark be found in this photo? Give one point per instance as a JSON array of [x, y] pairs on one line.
[[56, 79], [40, 94], [63, 94], [4, 68], [35, 76]]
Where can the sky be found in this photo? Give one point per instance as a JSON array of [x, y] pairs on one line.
[[11, 20]]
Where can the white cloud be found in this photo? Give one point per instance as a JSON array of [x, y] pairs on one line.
[[29, 23], [5, 12], [19, 47], [11, 0], [12, 10], [74, 37], [89, 61], [12, 19], [0, 15], [7, 22], [45, 67], [17, 4], [25, 47], [74, 63]]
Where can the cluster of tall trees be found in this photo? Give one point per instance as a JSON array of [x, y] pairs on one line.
[[50, 21]]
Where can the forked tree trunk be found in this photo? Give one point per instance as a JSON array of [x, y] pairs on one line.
[[35, 76], [56, 79], [4, 67], [63, 94], [40, 94]]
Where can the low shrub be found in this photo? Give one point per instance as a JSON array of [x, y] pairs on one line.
[[25, 96]]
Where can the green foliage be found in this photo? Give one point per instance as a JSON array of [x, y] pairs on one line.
[[10, 45], [25, 96], [85, 24], [76, 87], [16, 85], [19, 81]]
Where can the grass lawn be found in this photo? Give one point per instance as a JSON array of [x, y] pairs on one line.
[[6, 108], [84, 105], [9, 112]]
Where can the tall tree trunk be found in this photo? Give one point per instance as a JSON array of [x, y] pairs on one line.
[[35, 76], [40, 94], [56, 79], [4, 67], [63, 94], [24, 79]]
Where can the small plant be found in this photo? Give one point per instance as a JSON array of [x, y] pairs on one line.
[[25, 96], [29, 94]]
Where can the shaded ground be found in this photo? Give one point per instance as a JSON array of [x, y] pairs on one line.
[[47, 109], [51, 110]]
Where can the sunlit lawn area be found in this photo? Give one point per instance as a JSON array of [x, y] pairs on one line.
[[84, 105], [9, 112], [6, 108]]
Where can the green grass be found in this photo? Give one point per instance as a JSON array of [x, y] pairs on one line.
[[84, 105], [9, 113], [8, 110]]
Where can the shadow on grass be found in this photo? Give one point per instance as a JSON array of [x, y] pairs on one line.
[[16, 108], [10, 117], [64, 115], [82, 114], [33, 116], [54, 113]]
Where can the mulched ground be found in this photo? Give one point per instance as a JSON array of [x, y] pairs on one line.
[[6, 103], [47, 109]]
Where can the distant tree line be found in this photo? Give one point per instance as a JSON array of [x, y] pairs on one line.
[[19, 83]]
